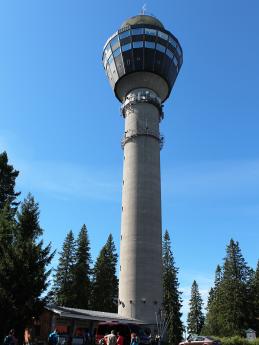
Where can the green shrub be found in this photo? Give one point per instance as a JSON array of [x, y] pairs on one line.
[[238, 341]]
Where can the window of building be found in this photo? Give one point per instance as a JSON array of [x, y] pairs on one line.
[[125, 34], [115, 43], [126, 47], [179, 51], [110, 59], [151, 32], [169, 53], [160, 47], [162, 35], [138, 44], [175, 61], [117, 52], [137, 31], [150, 45], [172, 41], [107, 52]]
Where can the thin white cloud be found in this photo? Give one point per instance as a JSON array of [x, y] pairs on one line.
[[218, 179], [64, 180]]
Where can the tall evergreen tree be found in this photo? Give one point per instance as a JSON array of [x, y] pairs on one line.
[[7, 273], [105, 282], [63, 293], [256, 297], [212, 323], [82, 271], [8, 206], [234, 291], [26, 274], [213, 291], [230, 311], [8, 176], [195, 319], [172, 301]]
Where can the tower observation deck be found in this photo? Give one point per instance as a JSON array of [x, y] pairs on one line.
[[142, 61]]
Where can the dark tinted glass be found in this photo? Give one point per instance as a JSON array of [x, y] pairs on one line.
[[138, 44], [150, 45], [138, 31], [124, 34]]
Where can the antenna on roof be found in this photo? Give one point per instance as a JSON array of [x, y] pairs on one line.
[[144, 9]]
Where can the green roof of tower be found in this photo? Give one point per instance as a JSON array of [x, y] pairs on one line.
[[143, 19]]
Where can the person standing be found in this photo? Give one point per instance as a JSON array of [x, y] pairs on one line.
[[111, 338], [53, 338], [120, 339], [10, 339], [134, 339]]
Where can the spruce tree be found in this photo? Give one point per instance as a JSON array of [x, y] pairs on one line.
[[8, 176], [195, 319], [230, 311], [256, 298], [63, 293], [82, 271], [213, 291], [7, 272], [105, 282], [212, 324], [26, 274], [234, 291], [172, 301], [8, 207]]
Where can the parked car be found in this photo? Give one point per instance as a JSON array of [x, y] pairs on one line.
[[125, 329], [200, 340]]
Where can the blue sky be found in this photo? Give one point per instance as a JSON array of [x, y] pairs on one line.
[[61, 126]]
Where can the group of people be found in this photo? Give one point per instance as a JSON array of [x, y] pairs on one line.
[[118, 339], [11, 339]]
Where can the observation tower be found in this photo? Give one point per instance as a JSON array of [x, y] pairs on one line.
[[142, 60]]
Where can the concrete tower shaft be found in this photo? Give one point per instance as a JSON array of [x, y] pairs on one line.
[[140, 288], [142, 61]]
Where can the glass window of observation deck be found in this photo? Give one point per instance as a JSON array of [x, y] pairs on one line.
[[110, 59], [172, 41], [175, 61], [138, 44], [125, 34], [116, 52], [137, 31], [160, 48], [150, 45], [126, 47], [169, 53], [179, 51], [162, 35], [151, 32], [115, 43], [107, 51]]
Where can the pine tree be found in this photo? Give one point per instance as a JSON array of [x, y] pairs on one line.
[[172, 301], [212, 324], [7, 229], [234, 291], [63, 292], [256, 298], [230, 311], [26, 274], [105, 282], [213, 291], [8, 206], [7, 183], [82, 271], [195, 319]]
